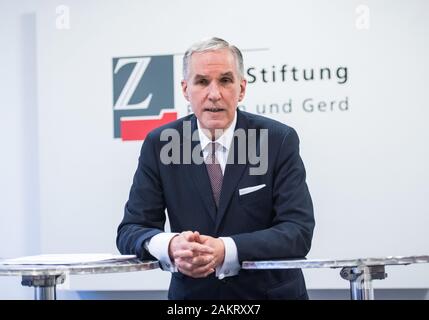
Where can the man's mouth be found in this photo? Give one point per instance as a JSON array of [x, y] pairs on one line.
[[214, 109]]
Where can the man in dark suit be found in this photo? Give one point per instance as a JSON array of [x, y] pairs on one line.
[[233, 184]]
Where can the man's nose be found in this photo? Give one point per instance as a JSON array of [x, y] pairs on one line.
[[214, 92]]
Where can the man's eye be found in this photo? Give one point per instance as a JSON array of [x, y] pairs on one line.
[[202, 81], [226, 80]]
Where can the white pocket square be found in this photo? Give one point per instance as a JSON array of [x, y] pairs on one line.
[[247, 190]]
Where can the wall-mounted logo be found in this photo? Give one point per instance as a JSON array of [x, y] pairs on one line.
[[143, 95]]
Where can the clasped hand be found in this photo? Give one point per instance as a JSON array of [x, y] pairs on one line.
[[196, 255]]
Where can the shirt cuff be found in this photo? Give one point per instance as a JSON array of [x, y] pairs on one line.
[[158, 247], [230, 266]]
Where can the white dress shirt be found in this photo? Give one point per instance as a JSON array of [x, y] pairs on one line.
[[158, 244]]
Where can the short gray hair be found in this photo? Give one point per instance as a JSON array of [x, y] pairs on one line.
[[212, 44]]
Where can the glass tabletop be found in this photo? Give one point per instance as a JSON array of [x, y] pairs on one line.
[[334, 263], [128, 265]]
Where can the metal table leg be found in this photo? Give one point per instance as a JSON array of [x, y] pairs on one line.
[[361, 280], [44, 286]]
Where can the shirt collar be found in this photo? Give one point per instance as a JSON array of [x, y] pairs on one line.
[[224, 140]]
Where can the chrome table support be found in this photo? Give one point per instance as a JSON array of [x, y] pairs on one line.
[[361, 280], [45, 287], [45, 278], [359, 272]]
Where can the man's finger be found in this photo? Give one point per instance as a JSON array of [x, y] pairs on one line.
[[203, 238], [184, 265], [183, 253], [200, 248], [199, 266], [192, 249], [202, 260], [199, 272], [188, 235], [209, 272], [197, 236], [203, 270]]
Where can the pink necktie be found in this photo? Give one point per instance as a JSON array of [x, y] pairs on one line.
[[215, 173]]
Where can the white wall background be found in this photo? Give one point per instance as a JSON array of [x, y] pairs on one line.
[[19, 182], [51, 152]]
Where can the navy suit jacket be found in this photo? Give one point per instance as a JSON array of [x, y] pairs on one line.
[[275, 222]]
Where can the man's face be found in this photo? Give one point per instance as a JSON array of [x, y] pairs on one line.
[[213, 88]]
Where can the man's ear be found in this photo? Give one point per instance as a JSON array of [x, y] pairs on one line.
[[184, 89], [243, 84]]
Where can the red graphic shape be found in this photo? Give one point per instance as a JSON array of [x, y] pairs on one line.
[[139, 129]]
